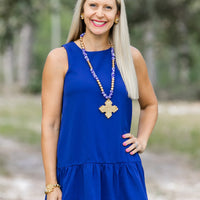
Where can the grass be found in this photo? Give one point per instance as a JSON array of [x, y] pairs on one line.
[[181, 133], [20, 119], [178, 133]]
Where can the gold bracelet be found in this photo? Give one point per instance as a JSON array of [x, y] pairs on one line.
[[50, 187]]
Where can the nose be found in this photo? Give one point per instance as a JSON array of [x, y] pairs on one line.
[[99, 13]]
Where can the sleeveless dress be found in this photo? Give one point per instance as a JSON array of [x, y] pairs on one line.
[[92, 163]]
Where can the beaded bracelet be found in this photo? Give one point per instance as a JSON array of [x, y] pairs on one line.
[[50, 187]]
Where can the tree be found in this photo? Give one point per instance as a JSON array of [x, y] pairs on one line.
[[55, 23], [180, 22], [17, 16], [169, 31], [142, 13]]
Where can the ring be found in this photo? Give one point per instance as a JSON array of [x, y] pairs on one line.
[[136, 145]]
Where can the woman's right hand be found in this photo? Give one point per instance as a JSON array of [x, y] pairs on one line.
[[56, 194]]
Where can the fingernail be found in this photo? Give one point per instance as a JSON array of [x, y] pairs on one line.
[[123, 136], [127, 150], [124, 143]]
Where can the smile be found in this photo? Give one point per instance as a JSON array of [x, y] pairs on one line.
[[98, 23]]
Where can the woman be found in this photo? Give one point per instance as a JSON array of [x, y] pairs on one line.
[[87, 90]]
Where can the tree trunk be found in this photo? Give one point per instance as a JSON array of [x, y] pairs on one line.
[[24, 55], [173, 69], [55, 24], [184, 63], [8, 69], [149, 53]]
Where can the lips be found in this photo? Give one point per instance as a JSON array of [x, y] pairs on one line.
[[98, 23]]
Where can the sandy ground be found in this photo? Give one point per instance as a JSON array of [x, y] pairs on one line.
[[168, 176], [171, 177], [23, 177]]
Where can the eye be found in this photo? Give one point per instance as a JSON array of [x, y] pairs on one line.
[[92, 5], [108, 7]]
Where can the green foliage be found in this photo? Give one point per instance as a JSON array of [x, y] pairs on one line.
[[41, 49], [42, 45], [176, 43], [176, 32], [69, 3], [15, 13], [195, 72], [137, 11]]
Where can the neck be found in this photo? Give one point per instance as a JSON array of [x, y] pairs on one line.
[[96, 43]]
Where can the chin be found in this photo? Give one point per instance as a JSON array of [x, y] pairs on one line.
[[99, 32]]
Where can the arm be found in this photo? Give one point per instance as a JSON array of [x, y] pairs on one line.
[[148, 105], [147, 100], [51, 98]]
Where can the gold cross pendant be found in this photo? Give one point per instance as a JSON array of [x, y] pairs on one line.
[[108, 108]]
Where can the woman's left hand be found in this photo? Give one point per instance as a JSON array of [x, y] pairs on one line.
[[137, 145]]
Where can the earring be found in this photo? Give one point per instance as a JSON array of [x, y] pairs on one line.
[[116, 21], [82, 17]]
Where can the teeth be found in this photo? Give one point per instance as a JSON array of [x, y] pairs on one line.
[[99, 23]]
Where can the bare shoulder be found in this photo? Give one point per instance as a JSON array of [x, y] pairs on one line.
[[58, 52], [57, 60], [137, 55], [139, 63]]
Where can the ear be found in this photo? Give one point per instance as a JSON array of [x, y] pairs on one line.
[[117, 15]]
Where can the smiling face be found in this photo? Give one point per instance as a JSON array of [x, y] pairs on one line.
[[99, 16]]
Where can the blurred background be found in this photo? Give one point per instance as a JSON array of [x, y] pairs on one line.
[[168, 35]]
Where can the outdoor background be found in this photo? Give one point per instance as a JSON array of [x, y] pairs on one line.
[[168, 35]]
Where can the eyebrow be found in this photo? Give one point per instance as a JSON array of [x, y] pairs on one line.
[[107, 3]]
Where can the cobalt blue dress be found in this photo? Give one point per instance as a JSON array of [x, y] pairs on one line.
[[92, 163]]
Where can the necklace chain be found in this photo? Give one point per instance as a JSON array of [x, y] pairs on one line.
[[108, 108], [93, 72]]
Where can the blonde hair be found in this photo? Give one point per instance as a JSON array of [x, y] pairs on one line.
[[121, 41]]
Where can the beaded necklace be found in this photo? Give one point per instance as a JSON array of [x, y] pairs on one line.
[[108, 108]]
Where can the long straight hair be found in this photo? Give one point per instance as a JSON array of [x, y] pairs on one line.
[[120, 37]]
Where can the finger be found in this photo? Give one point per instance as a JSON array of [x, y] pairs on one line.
[[137, 148], [136, 145], [133, 146], [127, 135], [134, 151], [130, 141]]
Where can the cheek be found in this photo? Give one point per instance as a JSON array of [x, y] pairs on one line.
[[112, 16], [88, 17], [86, 13]]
